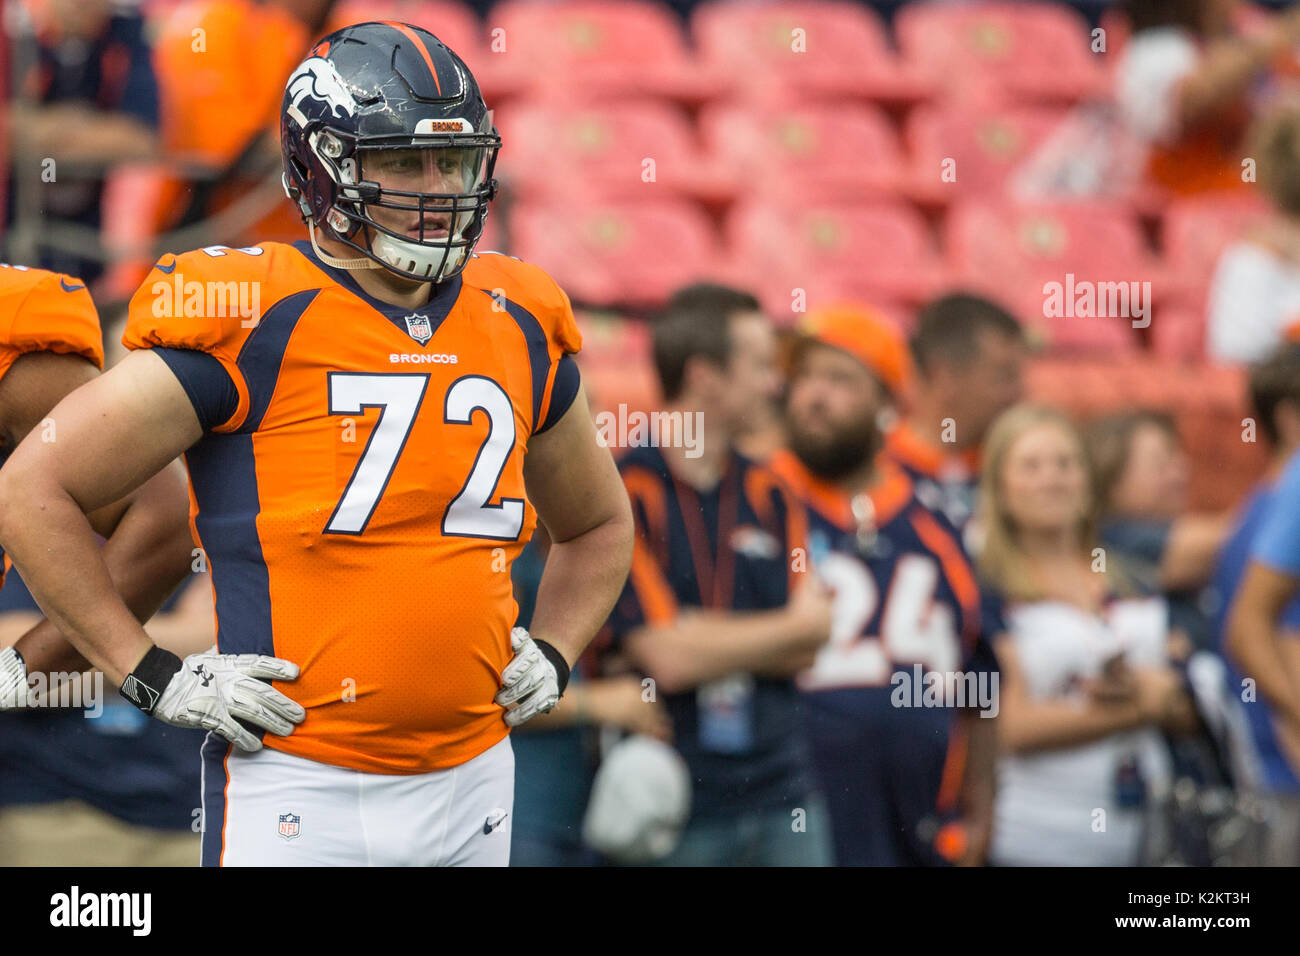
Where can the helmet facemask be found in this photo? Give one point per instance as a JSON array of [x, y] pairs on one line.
[[413, 204]]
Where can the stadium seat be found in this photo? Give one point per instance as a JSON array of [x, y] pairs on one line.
[[1178, 333], [635, 150], [1194, 233], [1012, 252], [818, 47], [871, 251], [616, 362], [592, 49], [616, 253], [844, 152], [1028, 51], [956, 153], [451, 22]]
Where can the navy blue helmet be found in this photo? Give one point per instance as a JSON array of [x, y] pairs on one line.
[[389, 148]]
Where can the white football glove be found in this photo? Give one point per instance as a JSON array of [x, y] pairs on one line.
[[530, 684], [13, 680], [214, 691]]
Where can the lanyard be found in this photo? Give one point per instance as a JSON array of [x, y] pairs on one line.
[[714, 573]]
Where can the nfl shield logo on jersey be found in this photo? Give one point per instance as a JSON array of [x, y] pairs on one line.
[[290, 825], [419, 327]]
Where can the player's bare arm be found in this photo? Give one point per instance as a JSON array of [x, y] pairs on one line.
[[115, 434], [148, 549], [580, 500]]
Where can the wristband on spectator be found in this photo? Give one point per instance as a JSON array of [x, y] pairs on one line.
[[144, 685], [557, 660]]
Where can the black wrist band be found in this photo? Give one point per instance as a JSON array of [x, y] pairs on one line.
[[557, 660], [144, 685]]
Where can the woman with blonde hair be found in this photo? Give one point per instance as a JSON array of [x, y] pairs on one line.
[[1087, 684]]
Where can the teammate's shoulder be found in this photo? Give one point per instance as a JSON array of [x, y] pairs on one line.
[[48, 311]]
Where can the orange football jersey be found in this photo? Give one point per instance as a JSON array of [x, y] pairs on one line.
[[44, 311], [360, 508]]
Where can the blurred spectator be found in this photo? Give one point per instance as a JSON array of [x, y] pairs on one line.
[[1087, 683], [553, 765], [221, 109], [86, 100], [1143, 476], [1260, 631], [1254, 300], [907, 784], [968, 354], [708, 611], [1275, 394], [1192, 76], [113, 788]]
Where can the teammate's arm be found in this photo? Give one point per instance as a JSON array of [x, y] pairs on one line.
[[148, 549], [114, 434]]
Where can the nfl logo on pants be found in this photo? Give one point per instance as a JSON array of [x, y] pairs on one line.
[[290, 825]]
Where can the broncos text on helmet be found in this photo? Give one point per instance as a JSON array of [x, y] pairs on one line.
[[390, 149]]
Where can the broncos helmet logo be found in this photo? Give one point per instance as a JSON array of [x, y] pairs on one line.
[[317, 78]]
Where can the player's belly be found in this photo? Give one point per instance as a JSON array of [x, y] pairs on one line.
[[398, 669]]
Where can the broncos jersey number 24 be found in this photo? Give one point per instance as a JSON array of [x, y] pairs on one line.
[[399, 397], [911, 626]]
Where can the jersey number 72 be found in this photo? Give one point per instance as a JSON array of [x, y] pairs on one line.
[[398, 397]]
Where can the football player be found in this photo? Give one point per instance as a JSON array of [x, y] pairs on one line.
[[907, 774], [355, 431], [50, 345]]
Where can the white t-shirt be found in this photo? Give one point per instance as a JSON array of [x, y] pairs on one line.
[[1153, 64], [1253, 297], [1046, 813]]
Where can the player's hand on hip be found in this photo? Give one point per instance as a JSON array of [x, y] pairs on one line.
[[212, 691], [13, 679], [533, 681]]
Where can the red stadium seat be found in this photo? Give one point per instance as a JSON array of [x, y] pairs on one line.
[[841, 152], [875, 252], [956, 153], [629, 253], [1012, 252], [451, 22], [635, 150], [1178, 333], [1028, 51], [1195, 232], [616, 362], [592, 49], [818, 47]]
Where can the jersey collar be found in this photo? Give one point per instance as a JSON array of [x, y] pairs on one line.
[[909, 449], [436, 309], [889, 495]]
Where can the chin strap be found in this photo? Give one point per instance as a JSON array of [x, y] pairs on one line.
[[361, 262]]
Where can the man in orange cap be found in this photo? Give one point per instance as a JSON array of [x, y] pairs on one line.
[[891, 700]]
